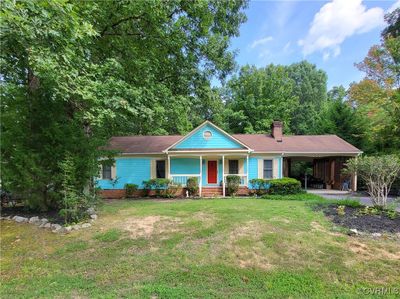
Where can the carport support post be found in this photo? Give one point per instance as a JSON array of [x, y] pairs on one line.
[[223, 175], [354, 180]]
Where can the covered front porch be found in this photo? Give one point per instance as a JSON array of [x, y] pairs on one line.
[[211, 170]]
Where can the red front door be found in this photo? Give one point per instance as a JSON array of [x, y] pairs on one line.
[[212, 172]]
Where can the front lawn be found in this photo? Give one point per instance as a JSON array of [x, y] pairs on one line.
[[230, 248]]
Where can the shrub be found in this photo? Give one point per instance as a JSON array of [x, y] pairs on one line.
[[74, 203], [192, 186], [172, 190], [162, 187], [259, 185], [130, 190], [232, 184], [349, 203], [378, 173], [341, 210], [285, 186], [146, 187]]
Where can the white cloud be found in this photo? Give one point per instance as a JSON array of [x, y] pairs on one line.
[[394, 6], [336, 21], [261, 41]]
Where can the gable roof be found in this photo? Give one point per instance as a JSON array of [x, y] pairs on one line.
[[206, 123], [262, 143]]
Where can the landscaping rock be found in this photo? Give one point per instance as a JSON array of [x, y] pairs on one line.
[[354, 231], [91, 211], [20, 219], [76, 227], [55, 226], [48, 225], [34, 219], [68, 229], [86, 225], [94, 216], [44, 220], [376, 235], [42, 225]]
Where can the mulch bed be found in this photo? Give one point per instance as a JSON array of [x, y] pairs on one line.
[[353, 219], [52, 216]]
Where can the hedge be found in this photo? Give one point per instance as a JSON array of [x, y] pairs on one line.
[[284, 186]]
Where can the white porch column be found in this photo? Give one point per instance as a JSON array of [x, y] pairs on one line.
[[201, 175], [169, 167], [223, 175], [247, 170]]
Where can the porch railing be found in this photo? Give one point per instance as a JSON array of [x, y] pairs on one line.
[[182, 178], [243, 178]]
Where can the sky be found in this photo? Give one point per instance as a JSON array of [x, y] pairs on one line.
[[331, 34]]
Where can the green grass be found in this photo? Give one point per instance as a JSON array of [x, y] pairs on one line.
[[301, 197], [109, 236], [233, 248]]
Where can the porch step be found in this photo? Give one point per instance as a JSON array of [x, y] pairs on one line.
[[211, 191]]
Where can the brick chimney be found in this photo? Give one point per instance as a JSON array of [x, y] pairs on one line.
[[276, 129]]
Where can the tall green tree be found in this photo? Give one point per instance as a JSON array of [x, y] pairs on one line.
[[377, 96], [310, 88], [256, 97], [339, 118], [75, 73]]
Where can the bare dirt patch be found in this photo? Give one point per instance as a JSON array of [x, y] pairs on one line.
[[243, 236], [151, 225], [369, 253], [315, 226], [207, 219]]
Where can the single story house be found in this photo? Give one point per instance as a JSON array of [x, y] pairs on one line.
[[210, 153]]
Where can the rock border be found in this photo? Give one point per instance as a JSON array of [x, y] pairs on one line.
[[54, 227]]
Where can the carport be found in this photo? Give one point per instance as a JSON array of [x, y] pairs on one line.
[[324, 170]]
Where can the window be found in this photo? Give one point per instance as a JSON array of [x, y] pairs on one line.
[[267, 169], [106, 172], [207, 135], [233, 166], [160, 169]]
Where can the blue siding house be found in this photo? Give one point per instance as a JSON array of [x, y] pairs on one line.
[[210, 153]]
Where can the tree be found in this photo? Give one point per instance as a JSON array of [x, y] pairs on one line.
[[339, 118], [294, 94], [76, 73], [310, 88], [378, 172], [256, 97], [377, 96]]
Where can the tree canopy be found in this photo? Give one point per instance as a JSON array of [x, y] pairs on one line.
[[76, 73]]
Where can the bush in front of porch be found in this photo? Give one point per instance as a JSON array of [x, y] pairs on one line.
[[192, 186], [232, 184]]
